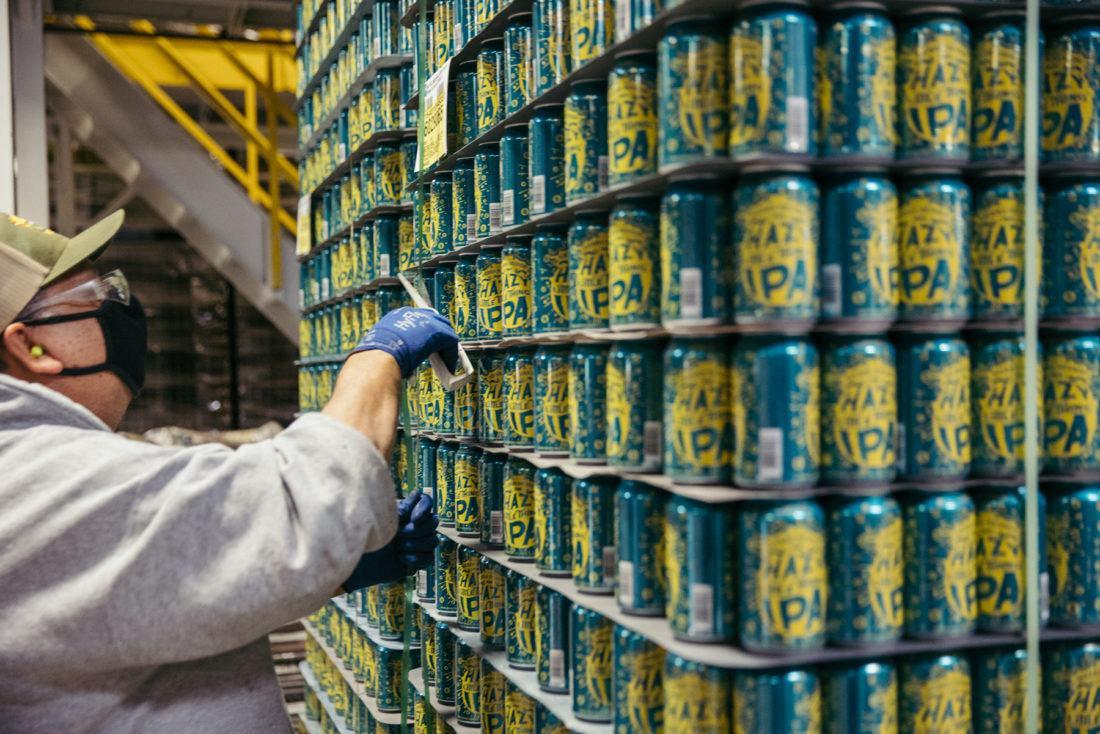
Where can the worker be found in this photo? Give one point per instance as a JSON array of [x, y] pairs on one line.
[[137, 582]]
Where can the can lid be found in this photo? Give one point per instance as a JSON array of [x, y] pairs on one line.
[[693, 177], [513, 18], [690, 19], [1077, 18], [472, 63], [935, 170], [857, 5], [776, 167], [636, 52], [999, 14], [517, 239], [858, 168], [639, 197], [586, 83], [592, 210], [1006, 172], [515, 125], [788, 3], [544, 105], [934, 10], [494, 39]]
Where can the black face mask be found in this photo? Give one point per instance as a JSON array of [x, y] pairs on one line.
[[125, 334]]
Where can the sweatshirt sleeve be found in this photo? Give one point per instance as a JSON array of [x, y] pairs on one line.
[[139, 555]]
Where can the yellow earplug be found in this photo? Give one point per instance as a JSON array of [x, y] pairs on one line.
[[37, 352]]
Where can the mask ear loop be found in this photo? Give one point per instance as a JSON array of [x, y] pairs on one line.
[[63, 319]]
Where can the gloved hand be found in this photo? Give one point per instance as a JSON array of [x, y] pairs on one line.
[[412, 548], [411, 335]]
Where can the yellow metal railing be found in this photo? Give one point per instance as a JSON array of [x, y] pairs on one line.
[[212, 67]]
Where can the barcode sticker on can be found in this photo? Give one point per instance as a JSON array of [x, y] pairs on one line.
[[471, 227], [458, 36], [496, 526], [494, 217], [900, 443], [538, 194], [702, 610], [652, 442], [770, 454], [384, 266], [622, 19], [343, 152], [626, 583], [326, 289], [422, 583], [557, 668], [830, 290], [428, 490], [798, 124], [610, 558], [1044, 596], [508, 206], [691, 293], [601, 175]]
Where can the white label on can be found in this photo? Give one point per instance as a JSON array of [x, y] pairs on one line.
[[601, 175], [384, 266], [626, 583], [508, 206], [458, 37], [900, 434], [702, 610], [471, 227], [557, 668], [494, 217], [830, 290], [422, 583], [691, 293], [326, 289], [610, 556], [538, 194], [652, 442], [770, 454], [798, 124], [496, 526], [622, 19]]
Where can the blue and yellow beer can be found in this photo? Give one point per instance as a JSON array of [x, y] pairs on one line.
[[551, 372], [387, 100], [514, 176], [634, 264], [935, 694], [859, 411], [491, 605], [866, 571], [519, 63], [467, 685], [468, 491], [463, 215], [638, 689], [425, 584], [520, 621], [390, 674], [592, 665], [782, 569], [519, 398], [1070, 673], [934, 412], [446, 570], [443, 290], [772, 96], [386, 245], [632, 117], [693, 93], [464, 313], [423, 714], [389, 173], [697, 422], [696, 267], [426, 449], [1071, 404], [550, 26], [441, 219], [997, 249], [592, 517], [553, 522], [592, 27], [519, 509], [408, 165], [589, 301], [640, 540], [776, 408], [997, 398], [860, 698], [585, 147], [859, 252], [487, 190], [406, 247], [775, 701], [697, 697], [546, 143], [588, 403], [494, 688], [1000, 689], [468, 589], [428, 648], [634, 406], [775, 241], [516, 287], [998, 89], [519, 711], [698, 566], [490, 77], [368, 182], [1071, 250], [858, 91], [553, 662], [940, 544], [546, 722], [445, 483], [1071, 82], [466, 409], [934, 87], [1073, 548], [491, 482], [491, 405], [550, 281]]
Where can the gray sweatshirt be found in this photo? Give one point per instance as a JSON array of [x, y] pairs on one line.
[[137, 583]]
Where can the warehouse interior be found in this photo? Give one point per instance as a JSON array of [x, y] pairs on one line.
[[542, 366]]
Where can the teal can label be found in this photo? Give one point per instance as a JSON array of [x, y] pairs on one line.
[[521, 631], [514, 177], [467, 491], [390, 671], [699, 569], [1000, 687], [634, 406], [776, 409], [634, 265], [428, 656], [446, 570], [546, 722], [492, 604], [640, 530], [386, 243], [547, 164], [1071, 251], [866, 571], [860, 698], [467, 685], [441, 220], [696, 273], [999, 524], [490, 310], [772, 100], [491, 481], [552, 428], [787, 700], [487, 190], [783, 588], [465, 305], [516, 287], [462, 204], [632, 117], [859, 411], [585, 120], [468, 585], [425, 465], [1073, 532], [935, 694], [494, 688], [699, 697], [389, 172], [639, 695], [519, 398], [491, 398], [553, 523], [998, 91], [997, 401], [593, 531], [490, 78], [466, 409], [550, 25], [408, 165], [1071, 675], [425, 584], [934, 249], [693, 93], [592, 665], [697, 398], [591, 26], [519, 711], [553, 654], [934, 89], [519, 63], [519, 509], [934, 392], [443, 290], [549, 281], [997, 250], [588, 403], [1071, 84], [1071, 405], [940, 540]]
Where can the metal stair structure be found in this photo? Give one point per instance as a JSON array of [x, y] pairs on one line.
[[165, 164]]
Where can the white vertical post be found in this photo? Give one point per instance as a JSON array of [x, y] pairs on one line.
[[7, 127], [27, 84]]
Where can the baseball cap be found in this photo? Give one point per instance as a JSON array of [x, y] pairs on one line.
[[32, 257]]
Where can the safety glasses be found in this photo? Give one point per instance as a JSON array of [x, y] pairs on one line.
[[110, 287]]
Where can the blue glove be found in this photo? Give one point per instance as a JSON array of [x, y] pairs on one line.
[[412, 548], [411, 335]]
